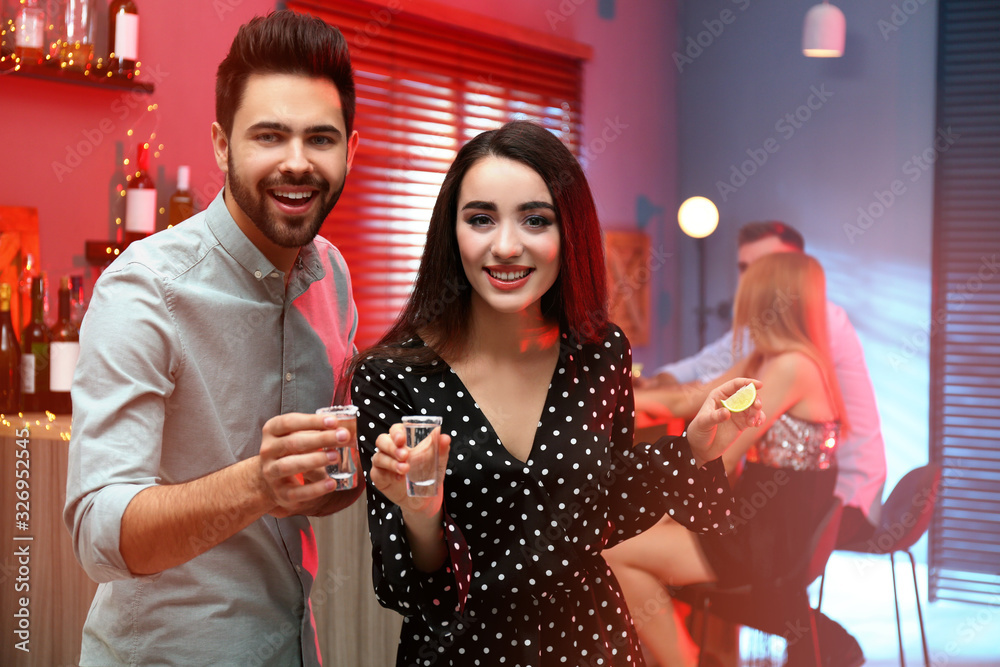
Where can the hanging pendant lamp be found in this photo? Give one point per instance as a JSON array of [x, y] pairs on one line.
[[824, 32]]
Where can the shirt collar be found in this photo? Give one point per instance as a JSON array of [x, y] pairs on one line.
[[220, 221]]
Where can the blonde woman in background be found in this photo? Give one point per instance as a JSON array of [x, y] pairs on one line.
[[791, 460]]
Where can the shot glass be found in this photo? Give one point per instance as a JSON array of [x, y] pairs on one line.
[[344, 472], [422, 434]]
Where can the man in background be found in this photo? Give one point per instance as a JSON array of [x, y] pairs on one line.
[[206, 350]]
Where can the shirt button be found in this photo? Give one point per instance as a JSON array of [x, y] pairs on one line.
[[288, 377], [274, 274], [257, 274]]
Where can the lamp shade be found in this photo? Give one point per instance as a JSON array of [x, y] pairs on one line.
[[824, 32], [698, 217]]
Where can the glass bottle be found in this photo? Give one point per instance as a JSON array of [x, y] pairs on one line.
[[140, 199], [35, 352], [77, 304], [64, 350], [10, 357], [24, 280], [77, 44], [29, 33], [181, 206], [123, 37]]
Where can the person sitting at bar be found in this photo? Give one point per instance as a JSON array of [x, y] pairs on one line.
[[780, 305], [678, 389]]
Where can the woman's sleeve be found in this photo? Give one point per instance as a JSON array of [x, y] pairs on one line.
[[381, 393], [647, 480]]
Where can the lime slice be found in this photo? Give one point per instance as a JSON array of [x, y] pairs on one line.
[[742, 399]]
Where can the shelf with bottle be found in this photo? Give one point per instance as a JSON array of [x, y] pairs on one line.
[[142, 215], [59, 46], [98, 76]]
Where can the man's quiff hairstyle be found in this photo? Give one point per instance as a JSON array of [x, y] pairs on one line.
[[284, 42], [755, 231]]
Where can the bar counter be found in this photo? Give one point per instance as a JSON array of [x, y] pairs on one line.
[[44, 593]]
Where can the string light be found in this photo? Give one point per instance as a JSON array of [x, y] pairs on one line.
[[64, 430]]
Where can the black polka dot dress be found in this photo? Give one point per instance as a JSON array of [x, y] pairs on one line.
[[525, 584]]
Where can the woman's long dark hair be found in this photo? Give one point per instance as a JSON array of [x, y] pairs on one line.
[[438, 309]]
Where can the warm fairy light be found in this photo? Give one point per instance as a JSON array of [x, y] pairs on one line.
[[50, 418]]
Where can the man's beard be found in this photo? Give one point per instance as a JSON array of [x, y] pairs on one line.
[[253, 202]]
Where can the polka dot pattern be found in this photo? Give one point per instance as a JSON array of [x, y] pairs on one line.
[[525, 584]]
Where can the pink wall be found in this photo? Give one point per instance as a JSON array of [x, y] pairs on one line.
[[61, 143]]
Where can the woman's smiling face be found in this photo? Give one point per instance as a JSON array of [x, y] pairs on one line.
[[508, 234]]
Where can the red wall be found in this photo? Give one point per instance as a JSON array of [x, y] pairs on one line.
[[62, 143]]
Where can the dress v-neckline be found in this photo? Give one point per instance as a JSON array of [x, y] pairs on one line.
[[534, 436]]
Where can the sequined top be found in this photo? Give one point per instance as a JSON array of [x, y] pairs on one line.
[[797, 444]]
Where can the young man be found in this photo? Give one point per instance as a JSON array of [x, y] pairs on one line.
[[206, 350], [861, 462]]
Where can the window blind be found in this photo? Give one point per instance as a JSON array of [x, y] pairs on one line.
[[964, 546], [425, 87]]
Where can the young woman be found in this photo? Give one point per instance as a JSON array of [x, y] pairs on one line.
[[789, 473], [506, 337]]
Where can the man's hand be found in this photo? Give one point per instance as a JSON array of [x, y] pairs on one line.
[[658, 381], [292, 465], [715, 428]]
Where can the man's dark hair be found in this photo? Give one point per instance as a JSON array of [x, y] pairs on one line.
[[755, 231], [283, 42]]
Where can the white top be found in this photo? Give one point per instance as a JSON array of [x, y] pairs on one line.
[[861, 456]]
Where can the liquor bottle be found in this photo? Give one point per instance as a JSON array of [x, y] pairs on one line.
[[76, 50], [24, 281], [35, 353], [29, 35], [77, 305], [64, 350], [123, 37], [10, 357], [140, 199], [181, 206]]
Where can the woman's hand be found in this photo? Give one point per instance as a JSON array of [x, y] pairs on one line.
[[423, 516], [715, 428], [389, 466]]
